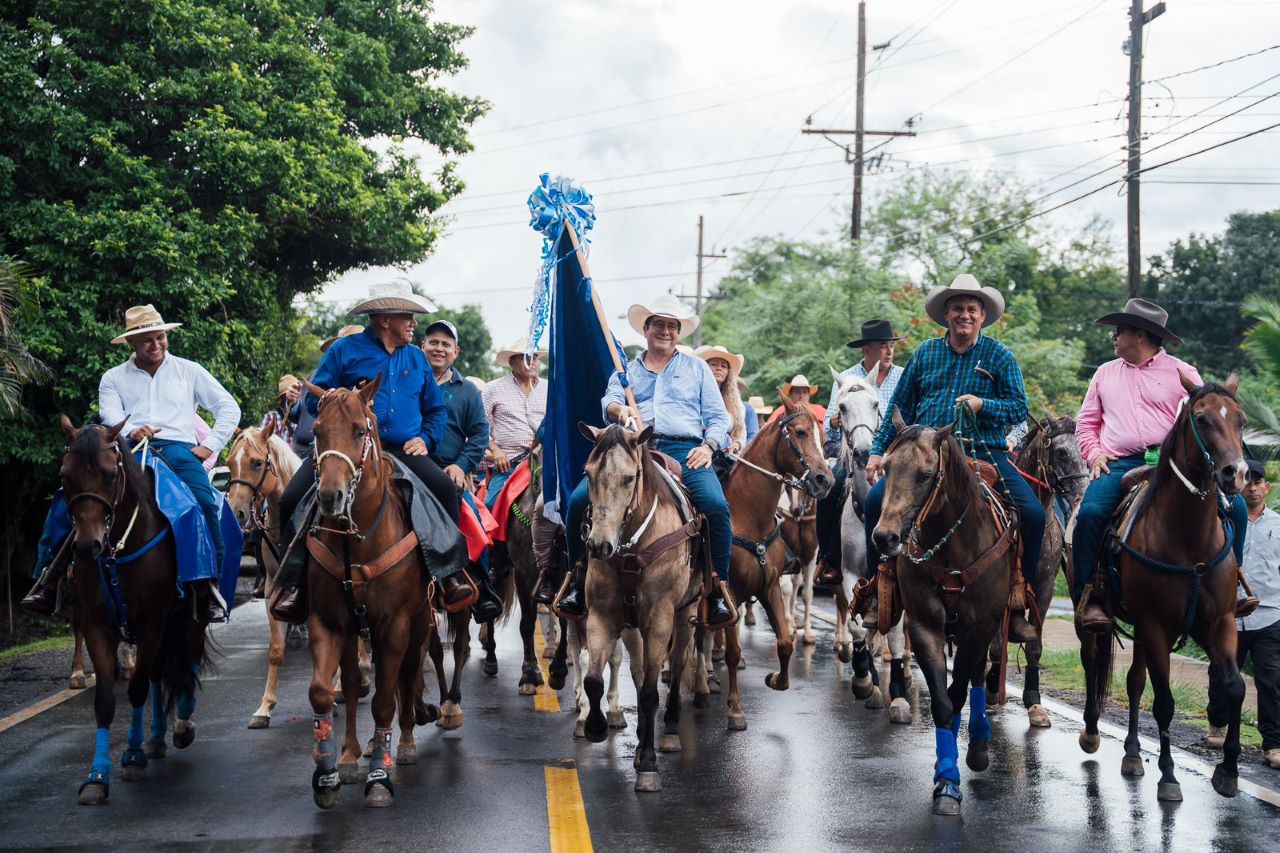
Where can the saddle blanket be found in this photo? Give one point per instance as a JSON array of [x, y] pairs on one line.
[[511, 491], [477, 525]]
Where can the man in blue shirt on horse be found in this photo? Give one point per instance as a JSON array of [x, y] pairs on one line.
[[964, 367], [677, 395]]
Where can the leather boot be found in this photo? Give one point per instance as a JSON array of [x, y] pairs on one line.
[[456, 590], [573, 604], [721, 610], [544, 592], [1092, 618], [489, 605], [43, 597], [260, 585], [1020, 630], [290, 605], [828, 575], [212, 606]]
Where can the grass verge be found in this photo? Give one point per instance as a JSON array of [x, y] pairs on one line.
[[60, 642]]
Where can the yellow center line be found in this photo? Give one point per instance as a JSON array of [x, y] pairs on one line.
[[545, 699], [43, 705], [566, 813]]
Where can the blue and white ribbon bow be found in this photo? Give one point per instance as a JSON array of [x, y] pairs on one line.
[[553, 204]]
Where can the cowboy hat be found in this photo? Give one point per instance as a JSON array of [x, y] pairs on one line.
[[141, 319], [874, 332], [393, 297], [1142, 314], [935, 304], [345, 331], [734, 360], [665, 305], [799, 380], [519, 347], [286, 382], [758, 405]]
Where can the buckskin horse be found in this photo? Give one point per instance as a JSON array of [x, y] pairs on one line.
[[956, 590], [125, 581], [1176, 578]]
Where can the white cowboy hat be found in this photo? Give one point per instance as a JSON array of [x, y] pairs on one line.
[[706, 353], [798, 380], [393, 297], [665, 305], [935, 304], [344, 332], [141, 319], [758, 404], [518, 347]]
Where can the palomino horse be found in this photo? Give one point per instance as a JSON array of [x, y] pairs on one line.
[[261, 466], [124, 576], [787, 451], [1177, 578], [800, 533], [641, 573], [955, 591], [1051, 462], [365, 577]]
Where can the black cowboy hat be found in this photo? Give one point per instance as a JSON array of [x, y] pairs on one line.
[[874, 332], [1142, 314]]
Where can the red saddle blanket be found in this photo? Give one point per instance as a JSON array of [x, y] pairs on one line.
[[515, 486], [478, 527]]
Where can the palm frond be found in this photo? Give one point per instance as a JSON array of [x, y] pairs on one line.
[[1263, 340], [1262, 435]]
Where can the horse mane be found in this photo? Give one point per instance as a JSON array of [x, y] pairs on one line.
[[615, 436], [283, 458], [957, 469]]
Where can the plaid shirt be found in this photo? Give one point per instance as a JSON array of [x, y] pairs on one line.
[[514, 416], [937, 375]]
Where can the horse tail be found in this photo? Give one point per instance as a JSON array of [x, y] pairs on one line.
[[507, 592], [1104, 658], [185, 655]]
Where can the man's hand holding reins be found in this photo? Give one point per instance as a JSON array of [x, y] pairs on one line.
[[875, 468], [622, 414], [1099, 466], [975, 403], [143, 432]]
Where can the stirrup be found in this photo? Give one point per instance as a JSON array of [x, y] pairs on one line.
[[565, 586], [730, 603]]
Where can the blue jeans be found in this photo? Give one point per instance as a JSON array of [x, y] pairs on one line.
[[496, 482], [1030, 515], [703, 488], [178, 456], [1101, 499]]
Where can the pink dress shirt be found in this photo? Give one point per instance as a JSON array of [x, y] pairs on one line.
[[1130, 407]]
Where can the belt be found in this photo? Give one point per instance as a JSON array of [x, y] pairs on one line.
[[683, 438]]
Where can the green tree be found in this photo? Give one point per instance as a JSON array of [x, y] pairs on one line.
[[1257, 394], [18, 367]]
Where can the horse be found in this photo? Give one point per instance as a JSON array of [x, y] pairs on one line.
[[1177, 577], [800, 534], [641, 572], [956, 591], [786, 451], [377, 588], [1050, 460], [125, 581]]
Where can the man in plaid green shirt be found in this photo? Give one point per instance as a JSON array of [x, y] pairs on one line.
[[965, 366]]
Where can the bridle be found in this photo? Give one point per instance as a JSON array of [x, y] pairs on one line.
[[1202, 494], [847, 434], [257, 506], [633, 504], [111, 505], [1057, 483], [357, 468], [922, 514]]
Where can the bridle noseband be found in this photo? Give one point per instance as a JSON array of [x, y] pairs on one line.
[[257, 507], [633, 504]]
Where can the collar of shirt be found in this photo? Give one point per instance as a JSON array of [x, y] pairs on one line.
[[1155, 361]]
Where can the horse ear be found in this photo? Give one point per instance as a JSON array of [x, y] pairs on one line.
[[898, 423], [1189, 386], [941, 435], [590, 433], [1233, 382], [835, 375], [787, 402], [268, 430], [69, 429], [314, 390], [370, 389], [645, 435], [114, 432]]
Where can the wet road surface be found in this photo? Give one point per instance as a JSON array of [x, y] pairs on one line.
[[814, 771]]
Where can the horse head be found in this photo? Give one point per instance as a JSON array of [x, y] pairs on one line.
[[1067, 473], [799, 453], [616, 472], [858, 403], [254, 473], [93, 475], [1216, 423], [346, 441]]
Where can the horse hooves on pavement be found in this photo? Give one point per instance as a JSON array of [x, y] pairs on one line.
[[378, 797], [259, 721], [717, 655], [338, 698], [844, 653], [424, 714], [133, 773], [737, 722], [1169, 792], [809, 640], [555, 680], [776, 681], [364, 689], [977, 757], [900, 711], [93, 794], [489, 667], [944, 805], [861, 686], [327, 798], [155, 747], [617, 720], [875, 701], [1132, 766], [407, 754], [669, 743], [1227, 786], [184, 733], [580, 728], [1090, 743], [527, 689], [78, 682], [648, 782], [713, 683], [450, 722], [742, 663], [1038, 717], [349, 773]]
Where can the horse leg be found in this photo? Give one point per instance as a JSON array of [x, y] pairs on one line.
[[451, 708], [807, 597], [530, 671], [558, 669], [601, 638], [614, 713], [773, 608], [843, 644], [656, 644], [128, 657], [737, 720], [933, 663], [1037, 714], [1226, 690], [155, 746], [261, 718], [326, 650], [393, 643], [133, 763], [977, 758], [1096, 656], [994, 653], [184, 729], [899, 706], [489, 642], [424, 712], [862, 684], [411, 685], [702, 663], [1135, 683], [1162, 707], [77, 680], [680, 657], [101, 646]]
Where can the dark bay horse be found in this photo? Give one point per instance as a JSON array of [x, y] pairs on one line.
[[125, 581], [936, 520], [1177, 577]]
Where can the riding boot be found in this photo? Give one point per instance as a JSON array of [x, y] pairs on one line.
[[1020, 630], [1090, 616], [828, 575], [488, 606], [210, 604], [572, 604], [260, 585], [290, 605], [722, 611], [457, 588], [544, 592], [43, 597]]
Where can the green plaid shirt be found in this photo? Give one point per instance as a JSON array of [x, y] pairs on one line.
[[937, 374]]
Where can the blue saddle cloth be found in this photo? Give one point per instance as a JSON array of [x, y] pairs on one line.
[[186, 521]]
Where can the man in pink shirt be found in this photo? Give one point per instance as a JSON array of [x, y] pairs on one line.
[[1129, 409]]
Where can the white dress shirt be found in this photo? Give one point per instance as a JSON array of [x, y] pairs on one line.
[[167, 401]]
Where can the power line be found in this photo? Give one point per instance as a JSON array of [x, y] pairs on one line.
[[1212, 65]]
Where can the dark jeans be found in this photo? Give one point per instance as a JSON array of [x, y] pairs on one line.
[[1030, 515], [828, 522], [703, 488], [1263, 645], [191, 471]]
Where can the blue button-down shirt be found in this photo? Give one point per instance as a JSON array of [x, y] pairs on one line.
[[408, 405], [466, 433], [884, 391], [937, 374], [683, 400]]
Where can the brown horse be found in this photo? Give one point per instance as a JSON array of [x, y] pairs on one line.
[[365, 577], [955, 591], [1177, 578], [789, 450], [125, 582]]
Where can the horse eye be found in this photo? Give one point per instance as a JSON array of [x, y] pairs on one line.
[[257, 463], [628, 479]]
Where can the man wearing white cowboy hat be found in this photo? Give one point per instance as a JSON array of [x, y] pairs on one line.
[[802, 391], [156, 394], [690, 425], [411, 414], [515, 405], [964, 366]]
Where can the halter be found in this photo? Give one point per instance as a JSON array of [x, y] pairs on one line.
[[257, 507], [112, 505], [632, 505], [1202, 494], [357, 469]]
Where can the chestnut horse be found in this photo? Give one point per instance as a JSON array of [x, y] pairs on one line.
[[1177, 578], [125, 581]]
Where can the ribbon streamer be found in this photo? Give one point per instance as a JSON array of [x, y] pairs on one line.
[[552, 204]]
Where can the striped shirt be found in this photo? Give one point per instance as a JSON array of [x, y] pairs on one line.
[[936, 375], [514, 416], [884, 391]]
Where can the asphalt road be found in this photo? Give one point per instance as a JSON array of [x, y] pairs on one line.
[[813, 771]]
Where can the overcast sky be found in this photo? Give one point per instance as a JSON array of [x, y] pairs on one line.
[[670, 109]]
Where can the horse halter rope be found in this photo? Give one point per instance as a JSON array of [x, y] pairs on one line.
[[793, 483]]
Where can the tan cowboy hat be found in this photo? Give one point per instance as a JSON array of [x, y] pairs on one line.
[[735, 360], [935, 304], [665, 305], [478, 382], [345, 331], [798, 380], [684, 348], [1142, 314], [758, 405], [140, 319], [286, 382], [518, 347], [393, 297]]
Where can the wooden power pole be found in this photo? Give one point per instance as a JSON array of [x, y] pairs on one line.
[[1137, 20], [698, 298]]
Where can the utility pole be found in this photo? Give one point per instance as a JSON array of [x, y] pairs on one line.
[[697, 305], [1137, 20], [859, 131]]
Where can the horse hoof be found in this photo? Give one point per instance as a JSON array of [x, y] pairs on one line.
[[861, 686], [875, 701], [1132, 766], [1090, 743], [555, 680], [717, 655], [844, 653], [339, 698], [776, 681], [669, 743], [617, 720], [701, 700], [596, 728], [184, 733], [944, 805], [992, 698], [900, 711], [1227, 786], [155, 748], [489, 667], [809, 640], [737, 722], [580, 729], [742, 663], [78, 682], [93, 794], [133, 773], [364, 689], [259, 721], [648, 783], [1169, 792], [327, 798], [378, 797], [713, 684], [977, 757], [1038, 717], [528, 689], [450, 722], [425, 714], [549, 652], [665, 676], [368, 749], [407, 754], [349, 774]]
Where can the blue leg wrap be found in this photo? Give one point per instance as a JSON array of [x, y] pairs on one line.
[[135, 728], [948, 755], [979, 725], [159, 721], [102, 754], [186, 706], [955, 725]]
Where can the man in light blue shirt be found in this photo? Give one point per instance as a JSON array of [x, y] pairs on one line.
[[675, 394]]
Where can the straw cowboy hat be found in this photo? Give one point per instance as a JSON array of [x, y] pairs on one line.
[[141, 319], [518, 347], [1142, 314], [345, 331], [874, 332], [758, 404], [801, 381], [734, 360], [665, 305], [286, 382], [393, 297], [935, 304]]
